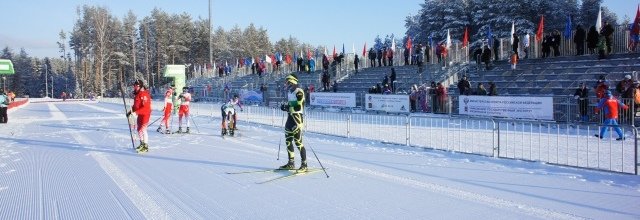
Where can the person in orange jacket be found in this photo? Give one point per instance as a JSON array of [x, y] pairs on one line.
[[610, 106]]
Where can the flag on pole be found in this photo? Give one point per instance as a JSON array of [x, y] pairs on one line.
[[325, 51], [513, 30], [465, 37], [308, 53], [599, 20], [409, 46], [334, 52], [364, 49], [353, 47], [635, 29], [342, 48], [393, 44], [431, 40], [567, 28], [288, 58], [540, 29], [489, 36], [448, 39]]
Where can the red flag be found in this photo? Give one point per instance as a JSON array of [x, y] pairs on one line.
[[636, 23], [540, 29], [364, 49], [288, 59], [409, 43], [465, 38], [334, 52], [308, 54]]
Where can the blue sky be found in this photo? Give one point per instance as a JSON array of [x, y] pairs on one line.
[[35, 24]]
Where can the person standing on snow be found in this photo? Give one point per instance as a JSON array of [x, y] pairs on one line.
[[232, 103], [294, 124], [142, 108], [582, 95], [4, 105], [610, 105], [168, 105], [185, 99]]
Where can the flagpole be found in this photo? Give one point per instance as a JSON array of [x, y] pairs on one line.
[[210, 37]]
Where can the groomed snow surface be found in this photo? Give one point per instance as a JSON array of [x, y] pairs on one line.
[[74, 160]]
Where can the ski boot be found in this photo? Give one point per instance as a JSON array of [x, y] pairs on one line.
[[168, 131], [224, 131], [159, 129], [231, 132], [179, 130], [187, 131], [143, 147], [289, 166], [303, 167]]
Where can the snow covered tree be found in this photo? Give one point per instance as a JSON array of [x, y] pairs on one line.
[[412, 23], [377, 43], [589, 12]]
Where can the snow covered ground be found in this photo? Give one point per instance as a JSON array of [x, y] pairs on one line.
[[74, 160]]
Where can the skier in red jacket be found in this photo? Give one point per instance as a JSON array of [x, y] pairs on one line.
[[142, 108]]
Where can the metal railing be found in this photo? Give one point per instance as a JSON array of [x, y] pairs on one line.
[[565, 144]]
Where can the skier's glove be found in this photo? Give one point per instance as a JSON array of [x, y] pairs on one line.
[[284, 107]]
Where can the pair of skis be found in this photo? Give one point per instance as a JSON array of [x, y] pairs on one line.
[[290, 173]]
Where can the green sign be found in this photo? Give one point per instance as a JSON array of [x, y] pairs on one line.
[[6, 67], [177, 72]]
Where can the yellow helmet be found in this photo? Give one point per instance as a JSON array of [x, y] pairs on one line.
[[292, 79]]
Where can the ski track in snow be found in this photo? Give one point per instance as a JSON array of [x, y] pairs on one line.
[[465, 195], [140, 199], [457, 193]]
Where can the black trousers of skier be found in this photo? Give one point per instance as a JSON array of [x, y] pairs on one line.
[[3, 115], [293, 134]]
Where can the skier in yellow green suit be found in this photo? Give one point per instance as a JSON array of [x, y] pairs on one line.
[[293, 128]]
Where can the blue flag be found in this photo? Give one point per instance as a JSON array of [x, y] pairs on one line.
[[489, 36], [343, 48], [431, 40], [567, 28]]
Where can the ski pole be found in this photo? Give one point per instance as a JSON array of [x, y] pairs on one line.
[[314, 154], [280, 141], [126, 110], [194, 123], [155, 121]]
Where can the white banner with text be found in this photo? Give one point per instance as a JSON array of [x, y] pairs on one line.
[[523, 107], [328, 99], [387, 103]]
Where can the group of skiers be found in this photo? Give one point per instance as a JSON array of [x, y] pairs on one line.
[[293, 126], [142, 108], [171, 102]]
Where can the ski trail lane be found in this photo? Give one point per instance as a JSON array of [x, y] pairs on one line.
[[143, 202]]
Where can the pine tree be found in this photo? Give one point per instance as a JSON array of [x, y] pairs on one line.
[[589, 12]]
